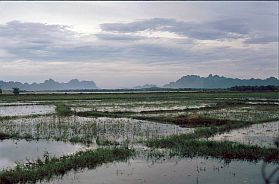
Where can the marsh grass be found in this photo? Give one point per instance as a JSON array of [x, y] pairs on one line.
[[48, 167], [224, 149], [189, 121], [63, 110], [4, 136], [25, 136], [103, 114], [141, 96]]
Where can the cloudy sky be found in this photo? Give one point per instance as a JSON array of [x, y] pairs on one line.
[[124, 44]]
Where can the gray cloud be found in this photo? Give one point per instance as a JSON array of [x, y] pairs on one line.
[[262, 40], [36, 33], [118, 37], [42, 42], [220, 29]]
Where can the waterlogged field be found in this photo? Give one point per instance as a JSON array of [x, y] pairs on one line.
[[155, 137], [23, 110]]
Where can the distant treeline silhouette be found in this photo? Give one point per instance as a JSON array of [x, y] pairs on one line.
[[255, 88]]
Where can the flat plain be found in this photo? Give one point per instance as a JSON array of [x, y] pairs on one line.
[[139, 137]]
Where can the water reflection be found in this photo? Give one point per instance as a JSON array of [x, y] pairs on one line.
[[20, 150], [166, 171]]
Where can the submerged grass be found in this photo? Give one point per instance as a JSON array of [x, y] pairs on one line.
[[48, 167], [4, 136]]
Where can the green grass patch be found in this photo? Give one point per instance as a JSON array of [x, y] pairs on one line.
[[191, 120], [15, 136], [141, 96], [4, 136], [103, 114], [224, 149], [63, 110]]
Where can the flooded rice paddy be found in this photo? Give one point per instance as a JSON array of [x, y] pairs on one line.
[[24, 110], [35, 129]]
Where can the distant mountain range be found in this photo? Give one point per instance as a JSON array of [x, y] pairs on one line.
[[189, 81], [50, 84], [146, 86], [215, 81]]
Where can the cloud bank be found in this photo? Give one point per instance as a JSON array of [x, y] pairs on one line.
[[138, 49]]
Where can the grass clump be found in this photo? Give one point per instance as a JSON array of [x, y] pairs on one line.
[[103, 114], [63, 110], [48, 167], [25, 136], [189, 121], [224, 149], [4, 136]]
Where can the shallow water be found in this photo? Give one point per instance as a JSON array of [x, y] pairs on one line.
[[169, 171], [24, 110], [257, 134], [20, 150]]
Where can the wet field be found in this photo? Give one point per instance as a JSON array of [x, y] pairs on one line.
[[157, 129]]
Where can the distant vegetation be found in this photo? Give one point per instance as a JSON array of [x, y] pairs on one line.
[[254, 88], [63, 110], [16, 91]]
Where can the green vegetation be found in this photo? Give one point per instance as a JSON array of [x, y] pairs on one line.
[[16, 91], [4, 136], [63, 110], [223, 149], [15, 136], [255, 88], [48, 167], [135, 97], [192, 120], [104, 114]]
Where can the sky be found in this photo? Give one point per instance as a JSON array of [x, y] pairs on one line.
[[125, 44]]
